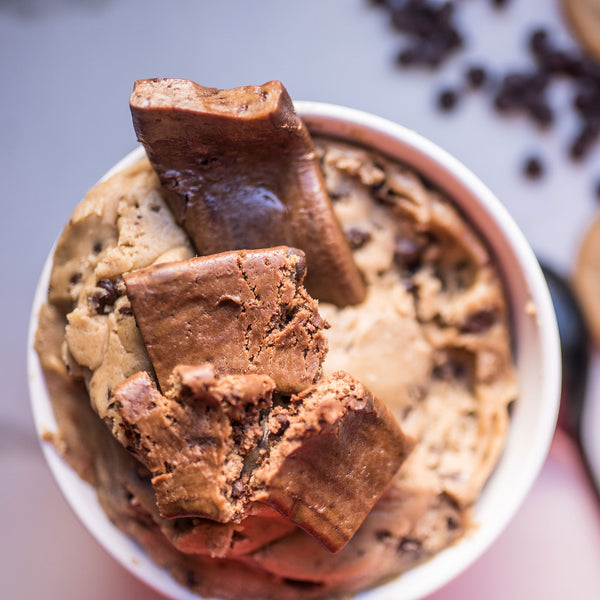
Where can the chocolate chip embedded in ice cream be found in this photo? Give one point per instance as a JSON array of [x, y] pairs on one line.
[[187, 439], [216, 445], [242, 311], [239, 170]]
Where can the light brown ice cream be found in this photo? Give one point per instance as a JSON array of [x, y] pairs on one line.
[[430, 340]]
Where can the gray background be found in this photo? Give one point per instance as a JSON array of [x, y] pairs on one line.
[[66, 71]]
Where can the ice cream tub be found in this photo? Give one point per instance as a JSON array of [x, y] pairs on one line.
[[534, 341]]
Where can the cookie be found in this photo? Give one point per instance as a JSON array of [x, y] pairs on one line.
[[584, 19], [586, 278]]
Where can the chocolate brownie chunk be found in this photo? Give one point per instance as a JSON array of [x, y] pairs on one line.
[[215, 446], [244, 312], [239, 170], [333, 451], [193, 441]]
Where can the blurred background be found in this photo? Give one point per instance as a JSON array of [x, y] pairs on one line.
[[67, 68]]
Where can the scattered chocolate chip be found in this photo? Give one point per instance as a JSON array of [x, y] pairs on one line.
[[97, 247], [357, 238], [585, 140], [476, 77], [431, 37], [452, 523], [533, 168], [75, 278], [447, 100], [538, 41]]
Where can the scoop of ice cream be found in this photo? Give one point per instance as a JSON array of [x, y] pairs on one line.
[[431, 283]]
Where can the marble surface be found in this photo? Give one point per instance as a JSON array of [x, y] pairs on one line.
[[67, 68]]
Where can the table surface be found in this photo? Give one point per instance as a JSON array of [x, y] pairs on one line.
[[67, 69]]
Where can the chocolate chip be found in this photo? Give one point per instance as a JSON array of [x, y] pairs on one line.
[[409, 545], [533, 168], [447, 100], [597, 190], [407, 252], [585, 140], [102, 302], [538, 41], [432, 35], [75, 278], [97, 247], [479, 321], [357, 238], [476, 77], [191, 579], [382, 535], [407, 57], [125, 310], [451, 370]]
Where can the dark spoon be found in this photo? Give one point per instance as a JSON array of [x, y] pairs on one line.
[[575, 352]]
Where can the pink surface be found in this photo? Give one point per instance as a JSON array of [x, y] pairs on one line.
[[551, 549]]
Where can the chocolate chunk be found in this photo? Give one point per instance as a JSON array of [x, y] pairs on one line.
[[239, 171], [476, 77], [357, 238], [324, 471], [332, 463], [244, 312], [533, 168], [185, 439], [479, 321], [103, 300], [447, 100]]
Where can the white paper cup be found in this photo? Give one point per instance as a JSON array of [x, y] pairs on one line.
[[536, 345]]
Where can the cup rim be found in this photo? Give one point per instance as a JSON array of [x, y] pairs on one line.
[[502, 234]]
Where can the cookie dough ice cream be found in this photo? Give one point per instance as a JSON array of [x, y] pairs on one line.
[[429, 342]]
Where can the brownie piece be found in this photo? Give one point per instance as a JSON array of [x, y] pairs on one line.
[[216, 446], [332, 452], [239, 171], [242, 311], [195, 439]]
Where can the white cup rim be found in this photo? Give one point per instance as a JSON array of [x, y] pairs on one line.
[[511, 249]]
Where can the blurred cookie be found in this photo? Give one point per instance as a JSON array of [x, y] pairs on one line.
[[586, 278], [584, 18]]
